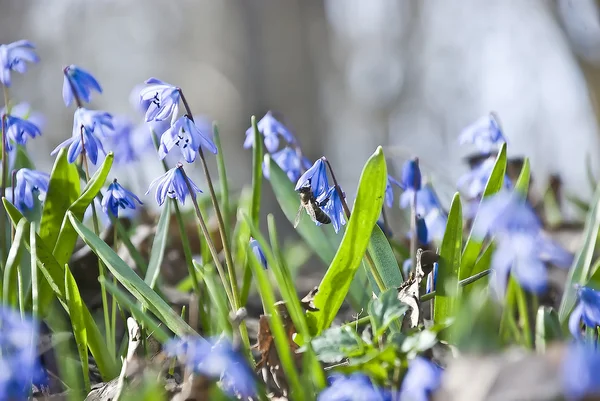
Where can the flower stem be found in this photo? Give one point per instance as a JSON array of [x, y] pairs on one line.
[[413, 222], [372, 268], [4, 219], [113, 309]]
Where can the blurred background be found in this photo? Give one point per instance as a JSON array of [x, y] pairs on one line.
[[347, 75]]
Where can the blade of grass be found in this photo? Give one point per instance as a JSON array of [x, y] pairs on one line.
[[35, 301], [225, 206], [522, 183], [158, 246], [383, 257], [208, 275], [10, 287], [257, 159], [75, 309]]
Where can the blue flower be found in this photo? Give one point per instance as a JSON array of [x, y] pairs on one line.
[[271, 129], [587, 310], [421, 380], [257, 251], [483, 133], [356, 387], [27, 182], [473, 182], [580, 368], [78, 83], [316, 177], [116, 198], [389, 191], [187, 136], [90, 125], [19, 362], [435, 218], [422, 231], [521, 248], [432, 279], [18, 129], [13, 57], [160, 100], [24, 111], [333, 208], [290, 161], [410, 182], [216, 359], [172, 184]]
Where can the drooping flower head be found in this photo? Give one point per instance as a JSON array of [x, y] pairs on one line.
[[316, 177], [271, 129], [355, 387], [216, 359], [587, 311], [389, 191], [18, 130], [116, 198], [172, 184], [580, 368], [410, 182], [28, 183], [14, 57], [290, 161], [78, 83], [160, 100], [19, 362], [257, 251], [187, 136], [421, 380], [521, 248], [484, 133], [90, 127], [24, 111], [333, 208]]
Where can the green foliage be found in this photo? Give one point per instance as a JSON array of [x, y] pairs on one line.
[[75, 310], [158, 246], [547, 328], [384, 310], [384, 259]]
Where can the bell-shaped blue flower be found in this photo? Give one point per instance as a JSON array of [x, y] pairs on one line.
[[333, 207], [271, 129], [290, 161], [187, 136], [216, 359], [355, 387], [18, 130], [421, 380], [24, 111], [172, 184], [160, 100], [28, 183], [579, 369], [484, 133], [389, 191], [587, 311], [472, 183], [116, 198], [257, 251], [14, 57], [90, 127], [422, 234], [78, 83], [410, 182], [316, 177]]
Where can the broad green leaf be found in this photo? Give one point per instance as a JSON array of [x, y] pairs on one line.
[[257, 157], [483, 263], [449, 264], [522, 183], [336, 344], [494, 184], [547, 328], [67, 237], [158, 246], [384, 310], [125, 302], [383, 256], [75, 309], [366, 211], [130, 280], [10, 287], [289, 201], [55, 276], [580, 270], [63, 190]]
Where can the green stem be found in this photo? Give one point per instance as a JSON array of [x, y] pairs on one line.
[[113, 309], [461, 283], [187, 251]]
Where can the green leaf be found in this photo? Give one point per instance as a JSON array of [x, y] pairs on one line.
[[385, 261], [449, 264], [217, 295], [63, 190], [494, 184], [483, 263], [366, 211], [522, 183], [75, 310], [225, 206], [547, 328], [384, 310], [125, 302], [54, 274], [289, 202], [335, 344], [257, 152], [10, 286], [35, 299], [67, 237], [580, 270], [131, 281], [158, 246]]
